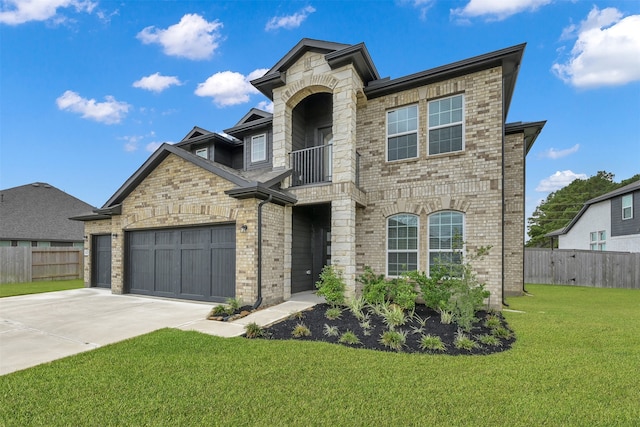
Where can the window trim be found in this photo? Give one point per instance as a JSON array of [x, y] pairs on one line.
[[387, 135], [596, 242], [461, 122], [628, 197], [204, 150], [461, 249], [388, 251], [265, 143]]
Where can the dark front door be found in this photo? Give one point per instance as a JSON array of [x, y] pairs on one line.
[[101, 262], [195, 263], [311, 250]]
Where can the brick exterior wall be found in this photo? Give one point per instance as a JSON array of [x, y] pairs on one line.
[[469, 181], [178, 193]]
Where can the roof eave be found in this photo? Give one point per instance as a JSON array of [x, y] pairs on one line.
[[358, 55], [531, 130], [259, 191]]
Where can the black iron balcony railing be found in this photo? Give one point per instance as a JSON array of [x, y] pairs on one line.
[[311, 165]]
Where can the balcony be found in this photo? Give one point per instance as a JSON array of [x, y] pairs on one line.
[[311, 165]]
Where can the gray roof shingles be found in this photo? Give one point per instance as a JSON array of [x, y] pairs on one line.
[[40, 212]]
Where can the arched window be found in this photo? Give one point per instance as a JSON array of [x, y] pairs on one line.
[[402, 244], [446, 240]]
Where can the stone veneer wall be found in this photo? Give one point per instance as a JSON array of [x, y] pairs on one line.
[[469, 181], [514, 171]]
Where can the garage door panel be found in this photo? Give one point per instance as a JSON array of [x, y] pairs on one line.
[[193, 263]]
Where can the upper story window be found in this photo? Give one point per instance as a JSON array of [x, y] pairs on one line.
[[258, 148], [446, 239], [402, 244], [402, 133], [446, 117], [203, 152], [627, 206], [598, 240]]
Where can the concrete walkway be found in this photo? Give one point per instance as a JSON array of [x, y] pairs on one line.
[[39, 328]]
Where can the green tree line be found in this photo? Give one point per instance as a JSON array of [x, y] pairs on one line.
[[560, 207]]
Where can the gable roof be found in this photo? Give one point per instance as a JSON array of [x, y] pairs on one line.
[[40, 212], [629, 188], [262, 189], [195, 132], [509, 59], [336, 55], [253, 120]]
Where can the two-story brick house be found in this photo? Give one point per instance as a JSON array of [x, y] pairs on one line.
[[350, 169]]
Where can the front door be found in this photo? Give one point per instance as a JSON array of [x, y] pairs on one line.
[[311, 245], [101, 270]]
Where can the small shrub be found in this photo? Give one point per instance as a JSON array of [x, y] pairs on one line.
[[331, 331], [374, 290], [446, 317], [393, 339], [253, 330], [356, 307], [234, 304], [502, 332], [491, 340], [394, 316], [331, 285], [379, 309], [219, 310], [349, 338], [432, 342], [434, 288], [333, 313], [403, 293], [463, 342], [296, 315], [492, 322], [301, 330]]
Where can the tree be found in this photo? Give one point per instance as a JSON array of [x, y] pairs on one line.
[[561, 206]]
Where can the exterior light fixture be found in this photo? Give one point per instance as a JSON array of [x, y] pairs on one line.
[[244, 228]]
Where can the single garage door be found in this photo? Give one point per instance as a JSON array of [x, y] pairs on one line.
[[196, 263]]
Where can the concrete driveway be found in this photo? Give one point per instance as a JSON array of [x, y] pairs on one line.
[[39, 328]]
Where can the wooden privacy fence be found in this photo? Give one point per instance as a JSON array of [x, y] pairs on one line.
[[583, 268], [28, 264]]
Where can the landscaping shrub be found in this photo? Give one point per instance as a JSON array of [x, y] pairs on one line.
[[374, 289], [331, 285]]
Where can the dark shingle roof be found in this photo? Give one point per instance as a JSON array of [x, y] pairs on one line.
[[40, 212]]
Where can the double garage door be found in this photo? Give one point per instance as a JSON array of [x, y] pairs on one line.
[[195, 263]]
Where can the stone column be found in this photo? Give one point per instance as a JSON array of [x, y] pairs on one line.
[[343, 241]]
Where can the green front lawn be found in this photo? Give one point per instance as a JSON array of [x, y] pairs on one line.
[[13, 289], [575, 362]]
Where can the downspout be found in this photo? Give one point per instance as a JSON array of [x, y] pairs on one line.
[[504, 303], [262, 203]]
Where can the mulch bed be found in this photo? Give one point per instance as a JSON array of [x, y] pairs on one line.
[[314, 318]]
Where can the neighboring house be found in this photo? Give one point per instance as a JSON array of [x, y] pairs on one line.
[[610, 222], [351, 169], [37, 215]]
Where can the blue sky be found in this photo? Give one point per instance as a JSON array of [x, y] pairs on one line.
[[89, 88]]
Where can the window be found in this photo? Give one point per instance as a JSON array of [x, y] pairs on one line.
[[445, 125], [402, 133], [203, 152], [446, 238], [258, 148], [402, 244], [598, 240], [627, 206]]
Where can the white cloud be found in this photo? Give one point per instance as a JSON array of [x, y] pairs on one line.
[[156, 82], [497, 9], [290, 21], [422, 5], [558, 180], [153, 146], [15, 12], [552, 153], [131, 142], [265, 106], [606, 52], [108, 112], [229, 88], [192, 38]]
